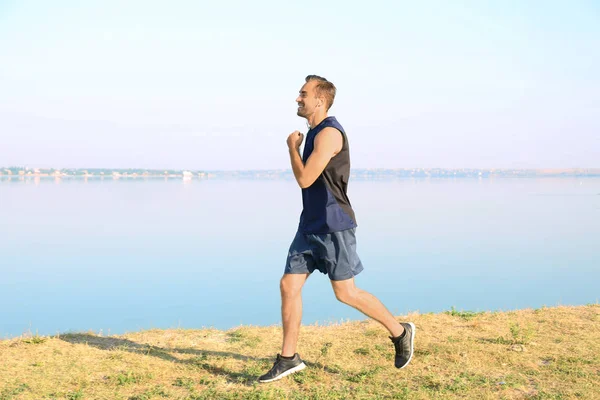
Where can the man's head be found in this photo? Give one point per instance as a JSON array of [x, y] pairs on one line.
[[316, 95]]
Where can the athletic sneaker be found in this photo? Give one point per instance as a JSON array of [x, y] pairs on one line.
[[404, 345], [283, 367]]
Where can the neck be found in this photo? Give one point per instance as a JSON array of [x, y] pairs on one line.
[[316, 118]]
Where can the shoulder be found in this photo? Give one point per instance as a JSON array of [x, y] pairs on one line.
[[331, 138], [329, 133], [332, 122], [330, 130]]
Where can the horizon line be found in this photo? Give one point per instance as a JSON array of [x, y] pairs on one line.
[[290, 169]]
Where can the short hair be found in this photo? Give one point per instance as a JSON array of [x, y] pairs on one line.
[[323, 88]]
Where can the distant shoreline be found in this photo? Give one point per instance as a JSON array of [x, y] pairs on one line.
[[374, 174]]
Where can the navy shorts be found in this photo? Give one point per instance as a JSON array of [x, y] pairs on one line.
[[331, 253]]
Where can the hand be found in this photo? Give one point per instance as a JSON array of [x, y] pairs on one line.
[[295, 140]]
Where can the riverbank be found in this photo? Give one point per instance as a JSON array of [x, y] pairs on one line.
[[547, 353]]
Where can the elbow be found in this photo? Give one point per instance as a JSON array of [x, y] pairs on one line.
[[305, 183]]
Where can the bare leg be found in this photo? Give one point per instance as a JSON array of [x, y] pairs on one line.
[[347, 292], [291, 310]]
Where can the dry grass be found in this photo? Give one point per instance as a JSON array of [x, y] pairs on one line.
[[549, 353]]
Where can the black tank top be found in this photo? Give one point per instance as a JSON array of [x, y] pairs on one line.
[[326, 207]]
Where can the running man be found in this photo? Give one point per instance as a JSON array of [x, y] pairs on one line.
[[325, 240]]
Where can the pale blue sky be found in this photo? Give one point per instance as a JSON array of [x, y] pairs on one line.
[[211, 85]]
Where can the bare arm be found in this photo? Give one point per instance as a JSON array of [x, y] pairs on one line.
[[328, 143]]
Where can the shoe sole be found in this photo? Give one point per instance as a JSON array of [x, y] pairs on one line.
[[290, 371], [412, 344]]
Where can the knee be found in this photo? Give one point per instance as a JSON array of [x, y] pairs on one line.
[[346, 295], [287, 288]]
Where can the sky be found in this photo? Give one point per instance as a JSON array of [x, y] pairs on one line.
[[211, 85]]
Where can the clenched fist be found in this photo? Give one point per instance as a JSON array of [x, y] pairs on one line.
[[295, 140]]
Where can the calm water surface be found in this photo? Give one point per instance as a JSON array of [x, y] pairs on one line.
[[117, 256]]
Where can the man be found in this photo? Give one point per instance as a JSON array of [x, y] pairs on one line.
[[325, 239]]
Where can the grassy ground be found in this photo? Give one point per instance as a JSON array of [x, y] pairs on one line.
[[548, 353]]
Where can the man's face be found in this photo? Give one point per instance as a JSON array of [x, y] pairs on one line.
[[307, 100]]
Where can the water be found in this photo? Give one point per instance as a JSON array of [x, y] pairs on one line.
[[125, 255]]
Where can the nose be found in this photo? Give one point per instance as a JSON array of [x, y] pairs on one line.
[[298, 99]]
